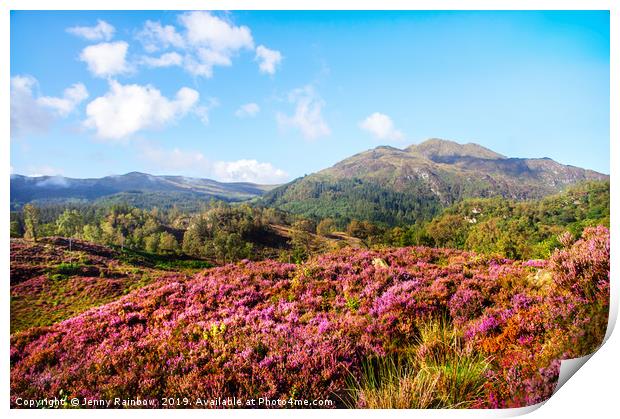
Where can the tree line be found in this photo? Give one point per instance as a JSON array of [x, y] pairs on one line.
[[227, 232]]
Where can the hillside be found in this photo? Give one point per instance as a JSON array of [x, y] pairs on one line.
[[515, 229], [52, 280], [463, 330], [397, 186], [138, 189]]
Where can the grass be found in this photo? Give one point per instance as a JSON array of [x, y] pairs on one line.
[[175, 264], [436, 372], [77, 283], [70, 288], [66, 269], [163, 262], [56, 301]]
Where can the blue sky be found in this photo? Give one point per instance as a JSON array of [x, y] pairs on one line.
[[270, 96]]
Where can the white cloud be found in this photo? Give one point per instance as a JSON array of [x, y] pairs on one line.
[[381, 126], [248, 171], [127, 109], [71, 98], [52, 180], [194, 163], [102, 31], [174, 160], [213, 57], [197, 68], [205, 59], [307, 117], [23, 83], [32, 114], [38, 171], [202, 111], [213, 42], [168, 59], [268, 59], [154, 37], [204, 29], [248, 110], [26, 114], [204, 41], [106, 59]]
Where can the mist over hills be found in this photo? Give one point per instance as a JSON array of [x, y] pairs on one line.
[[140, 189]]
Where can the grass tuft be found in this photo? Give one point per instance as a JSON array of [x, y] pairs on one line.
[[436, 372]]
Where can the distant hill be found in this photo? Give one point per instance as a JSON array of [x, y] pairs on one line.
[[138, 189], [395, 186]]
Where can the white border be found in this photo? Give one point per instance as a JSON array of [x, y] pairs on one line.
[[594, 390]]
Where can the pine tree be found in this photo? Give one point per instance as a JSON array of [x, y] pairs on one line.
[[31, 221]]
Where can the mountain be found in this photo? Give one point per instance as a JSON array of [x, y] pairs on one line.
[[134, 188], [396, 186]]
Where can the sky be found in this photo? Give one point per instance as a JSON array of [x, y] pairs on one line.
[[267, 96]]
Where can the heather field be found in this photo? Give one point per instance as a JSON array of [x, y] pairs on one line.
[[393, 327]]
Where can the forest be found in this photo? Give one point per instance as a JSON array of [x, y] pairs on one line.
[[225, 232]]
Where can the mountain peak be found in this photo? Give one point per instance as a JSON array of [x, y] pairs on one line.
[[136, 174], [439, 149]]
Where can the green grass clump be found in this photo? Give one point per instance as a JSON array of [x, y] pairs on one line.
[[192, 264], [163, 262], [65, 269], [436, 372]]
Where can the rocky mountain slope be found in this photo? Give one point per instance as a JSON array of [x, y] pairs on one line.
[[391, 185]]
